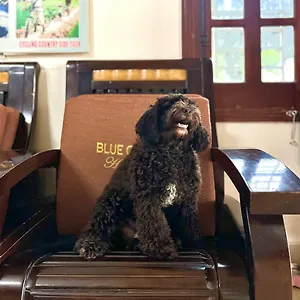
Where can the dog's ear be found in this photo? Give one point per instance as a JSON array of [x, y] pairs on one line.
[[147, 127], [200, 139]]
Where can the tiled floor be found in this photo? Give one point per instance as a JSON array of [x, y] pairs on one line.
[[296, 294]]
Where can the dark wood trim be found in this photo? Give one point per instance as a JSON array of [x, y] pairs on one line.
[[155, 85], [3, 87], [252, 42], [191, 29], [71, 80], [297, 56], [263, 221], [261, 22], [275, 114], [260, 199], [227, 23], [277, 22], [26, 167], [31, 73], [270, 258], [38, 225], [208, 28], [254, 102], [94, 65], [8, 159], [207, 89]]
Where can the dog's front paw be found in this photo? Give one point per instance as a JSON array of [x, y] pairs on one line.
[[90, 248]]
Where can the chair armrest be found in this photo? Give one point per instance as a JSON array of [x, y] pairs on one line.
[[266, 185], [16, 172], [10, 158], [41, 224]]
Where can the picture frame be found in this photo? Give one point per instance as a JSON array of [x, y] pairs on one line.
[[44, 26]]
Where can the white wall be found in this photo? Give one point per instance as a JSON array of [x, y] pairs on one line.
[[119, 30], [135, 29]]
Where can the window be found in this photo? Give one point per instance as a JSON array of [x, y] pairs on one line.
[[254, 46], [228, 54]]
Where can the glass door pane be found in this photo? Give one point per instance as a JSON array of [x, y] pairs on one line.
[[277, 54], [270, 9], [227, 9], [228, 54]]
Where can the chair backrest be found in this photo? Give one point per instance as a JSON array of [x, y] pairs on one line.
[[193, 76], [18, 85], [18, 90], [98, 131], [188, 76], [9, 121]]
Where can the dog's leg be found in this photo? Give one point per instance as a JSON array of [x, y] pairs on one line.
[[153, 230], [190, 218], [190, 191], [95, 238], [147, 184]]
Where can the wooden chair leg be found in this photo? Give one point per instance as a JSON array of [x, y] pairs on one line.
[[270, 257]]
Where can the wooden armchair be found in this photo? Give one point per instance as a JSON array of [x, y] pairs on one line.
[[18, 90], [18, 84], [37, 258]]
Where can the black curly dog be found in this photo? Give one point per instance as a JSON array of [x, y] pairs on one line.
[[153, 194]]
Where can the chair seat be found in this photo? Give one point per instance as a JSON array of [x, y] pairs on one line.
[[121, 275], [124, 275]]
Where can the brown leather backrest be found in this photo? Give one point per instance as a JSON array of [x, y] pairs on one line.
[[98, 132], [9, 120]]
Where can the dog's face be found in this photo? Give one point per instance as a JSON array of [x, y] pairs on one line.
[[173, 118]]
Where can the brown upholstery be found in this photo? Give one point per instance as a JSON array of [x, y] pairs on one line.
[[86, 167], [9, 120]]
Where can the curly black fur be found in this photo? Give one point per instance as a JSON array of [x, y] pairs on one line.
[[152, 195]]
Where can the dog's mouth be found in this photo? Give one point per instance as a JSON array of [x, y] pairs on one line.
[[181, 129]]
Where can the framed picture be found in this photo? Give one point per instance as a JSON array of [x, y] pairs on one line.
[[43, 26]]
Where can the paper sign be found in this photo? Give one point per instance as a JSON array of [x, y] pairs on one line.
[[44, 26]]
